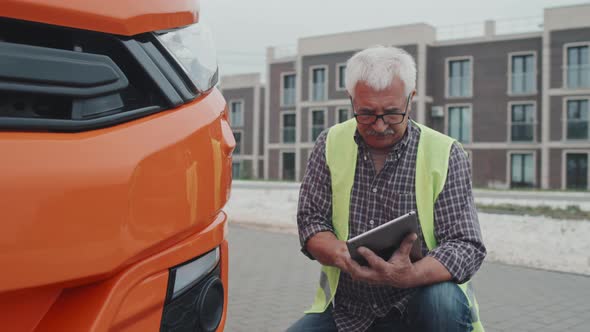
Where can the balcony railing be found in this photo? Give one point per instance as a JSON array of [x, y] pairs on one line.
[[523, 83], [318, 92], [577, 129], [460, 86], [289, 135], [578, 76], [289, 97], [522, 132]]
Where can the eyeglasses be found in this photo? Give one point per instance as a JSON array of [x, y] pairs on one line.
[[389, 118]]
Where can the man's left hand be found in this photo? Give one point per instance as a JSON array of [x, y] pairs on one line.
[[398, 271]]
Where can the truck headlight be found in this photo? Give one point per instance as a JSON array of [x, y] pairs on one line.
[[191, 273], [195, 296], [193, 49]]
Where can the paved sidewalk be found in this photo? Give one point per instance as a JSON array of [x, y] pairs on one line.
[[271, 283]]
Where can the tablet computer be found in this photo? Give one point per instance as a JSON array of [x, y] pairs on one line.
[[385, 239]]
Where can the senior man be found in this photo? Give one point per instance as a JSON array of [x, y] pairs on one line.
[[374, 168]]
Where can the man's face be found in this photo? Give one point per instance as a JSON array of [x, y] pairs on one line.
[[380, 135]]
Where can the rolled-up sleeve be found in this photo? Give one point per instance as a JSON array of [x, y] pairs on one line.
[[456, 225], [314, 212]]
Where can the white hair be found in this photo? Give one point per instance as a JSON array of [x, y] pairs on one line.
[[378, 66]]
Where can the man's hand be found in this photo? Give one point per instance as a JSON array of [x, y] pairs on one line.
[[398, 271], [328, 250], [342, 256]]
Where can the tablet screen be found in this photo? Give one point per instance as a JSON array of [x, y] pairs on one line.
[[384, 239]]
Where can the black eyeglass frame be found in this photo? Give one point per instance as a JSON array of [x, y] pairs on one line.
[[382, 116]]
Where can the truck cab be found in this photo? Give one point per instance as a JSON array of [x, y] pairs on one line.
[[116, 165]]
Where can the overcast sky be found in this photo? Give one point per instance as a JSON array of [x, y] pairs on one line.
[[243, 29]]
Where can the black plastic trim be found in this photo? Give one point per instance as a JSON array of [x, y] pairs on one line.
[[186, 303], [93, 107], [138, 52], [171, 73], [211, 285], [34, 69], [26, 124], [170, 289]]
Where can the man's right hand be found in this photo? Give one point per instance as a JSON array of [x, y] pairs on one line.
[[328, 250], [342, 256]]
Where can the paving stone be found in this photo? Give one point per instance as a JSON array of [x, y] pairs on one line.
[[271, 283]]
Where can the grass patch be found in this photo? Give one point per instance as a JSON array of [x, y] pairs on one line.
[[570, 212]]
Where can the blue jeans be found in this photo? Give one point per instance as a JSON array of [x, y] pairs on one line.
[[439, 307]]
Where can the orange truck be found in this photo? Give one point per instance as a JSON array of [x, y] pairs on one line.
[[115, 164]]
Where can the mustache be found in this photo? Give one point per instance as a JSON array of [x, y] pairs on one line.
[[387, 132]]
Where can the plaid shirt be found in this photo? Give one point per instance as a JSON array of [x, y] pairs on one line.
[[378, 198]]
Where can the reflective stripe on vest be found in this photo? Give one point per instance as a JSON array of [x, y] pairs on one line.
[[431, 172]]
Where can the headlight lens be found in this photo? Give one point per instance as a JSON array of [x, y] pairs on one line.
[[191, 273], [194, 50]]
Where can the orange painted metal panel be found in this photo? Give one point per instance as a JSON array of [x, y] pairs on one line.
[[131, 300], [97, 306], [142, 308], [22, 310], [79, 207], [123, 17]]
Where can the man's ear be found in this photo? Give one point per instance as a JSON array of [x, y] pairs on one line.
[[412, 95]]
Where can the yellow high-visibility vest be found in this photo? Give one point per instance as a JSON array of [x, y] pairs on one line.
[[432, 163]]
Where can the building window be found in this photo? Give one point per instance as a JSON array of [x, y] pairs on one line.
[[289, 166], [577, 119], [578, 67], [523, 123], [235, 169], [236, 115], [289, 90], [577, 170], [318, 84], [343, 114], [522, 174], [523, 74], [318, 123], [288, 129], [341, 80], [238, 138], [459, 80], [459, 125]]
